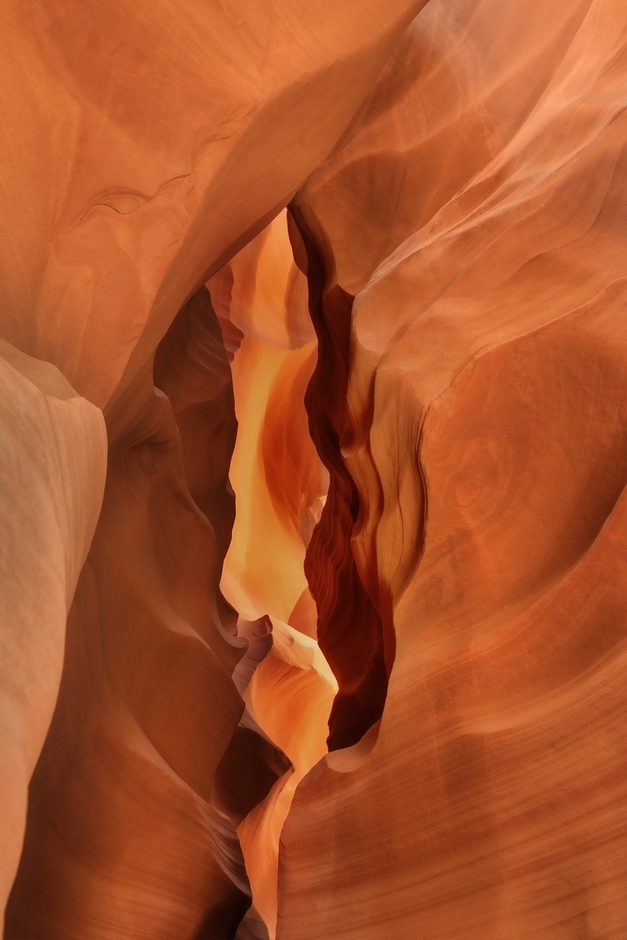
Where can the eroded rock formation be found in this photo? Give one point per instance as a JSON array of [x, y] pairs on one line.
[[146, 145], [486, 441], [52, 472], [344, 653], [280, 486]]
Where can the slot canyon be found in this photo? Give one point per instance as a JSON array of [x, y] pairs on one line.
[[313, 522]]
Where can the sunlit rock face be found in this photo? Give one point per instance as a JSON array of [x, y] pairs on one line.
[[486, 440], [331, 495], [280, 487], [279, 481]]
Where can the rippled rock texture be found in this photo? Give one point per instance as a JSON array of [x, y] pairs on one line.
[[331, 495], [144, 146], [484, 430]]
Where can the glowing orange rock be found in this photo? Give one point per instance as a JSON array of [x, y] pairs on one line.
[[276, 473], [280, 486]]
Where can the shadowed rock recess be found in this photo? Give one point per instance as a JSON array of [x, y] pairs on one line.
[[313, 524]]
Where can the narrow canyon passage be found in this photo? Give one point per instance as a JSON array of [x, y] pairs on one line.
[[294, 516], [280, 485], [313, 470], [261, 303], [216, 487]]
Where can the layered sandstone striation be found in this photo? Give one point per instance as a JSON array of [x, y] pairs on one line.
[[145, 145], [313, 609], [485, 436]]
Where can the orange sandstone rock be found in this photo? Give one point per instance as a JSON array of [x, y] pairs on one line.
[[280, 487], [52, 469], [145, 145], [148, 144], [434, 331], [485, 438], [277, 476]]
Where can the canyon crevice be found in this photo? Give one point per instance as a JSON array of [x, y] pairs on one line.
[[313, 609]]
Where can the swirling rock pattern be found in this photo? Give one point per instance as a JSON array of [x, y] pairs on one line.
[[486, 384], [389, 421], [280, 487], [146, 145]]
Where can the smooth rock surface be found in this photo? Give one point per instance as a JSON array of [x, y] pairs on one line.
[[144, 146], [487, 445], [386, 426], [52, 470]]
